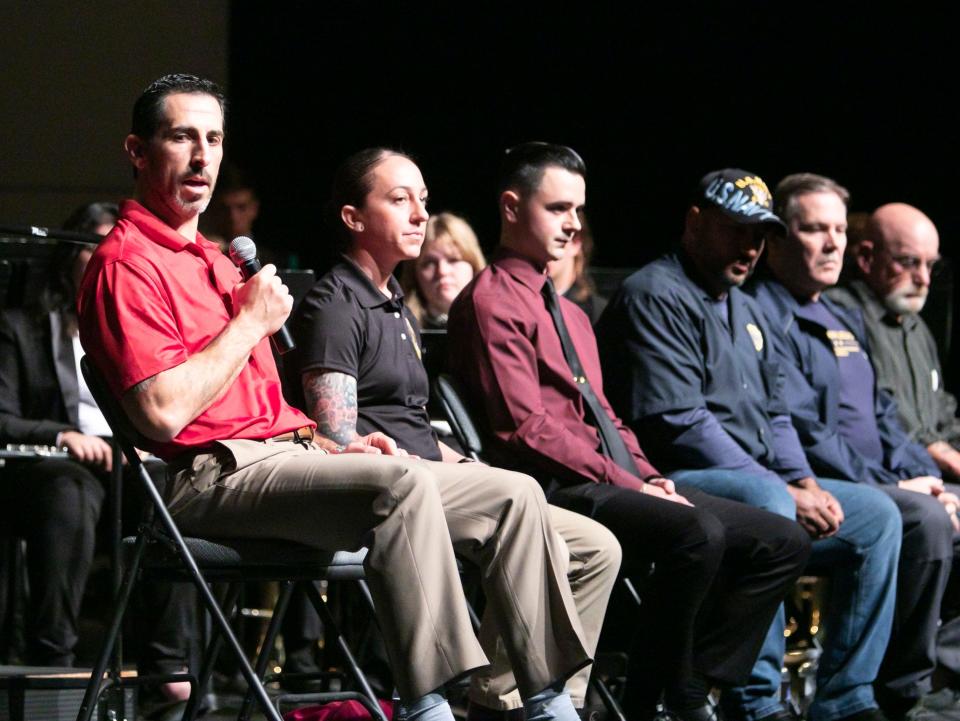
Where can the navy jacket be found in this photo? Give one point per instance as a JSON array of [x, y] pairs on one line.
[[813, 394], [699, 393]]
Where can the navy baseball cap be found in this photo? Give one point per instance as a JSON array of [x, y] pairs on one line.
[[740, 195]]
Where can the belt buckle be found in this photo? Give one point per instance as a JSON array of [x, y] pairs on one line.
[[302, 440]]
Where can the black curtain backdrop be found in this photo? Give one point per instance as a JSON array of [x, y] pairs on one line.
[[651, 96]]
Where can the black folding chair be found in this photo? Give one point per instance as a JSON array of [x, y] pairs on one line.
[[447, 392], [162, 553]]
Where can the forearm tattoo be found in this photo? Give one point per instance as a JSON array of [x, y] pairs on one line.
[[332, 402]]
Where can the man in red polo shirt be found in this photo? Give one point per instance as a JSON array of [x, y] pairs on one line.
[[183, 344]]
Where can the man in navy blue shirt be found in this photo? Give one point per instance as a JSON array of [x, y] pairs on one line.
[[849, 427], [691, 366]]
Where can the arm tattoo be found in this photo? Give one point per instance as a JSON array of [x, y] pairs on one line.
[[332, 402]]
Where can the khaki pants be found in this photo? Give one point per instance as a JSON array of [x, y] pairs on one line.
[[594, 564], [406, 512]]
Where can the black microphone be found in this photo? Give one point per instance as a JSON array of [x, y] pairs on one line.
[[243, 252]]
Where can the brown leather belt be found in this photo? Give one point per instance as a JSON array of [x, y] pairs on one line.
[[301, 435]]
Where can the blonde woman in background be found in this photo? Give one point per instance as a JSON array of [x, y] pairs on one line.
[[571, 275], [449, 259]]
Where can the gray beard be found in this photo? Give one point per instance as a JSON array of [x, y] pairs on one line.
[[899, 304]]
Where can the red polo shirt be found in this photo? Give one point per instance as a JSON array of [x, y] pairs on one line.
[[148, 301]]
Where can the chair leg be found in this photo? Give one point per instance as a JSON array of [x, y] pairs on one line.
[[211, 654], [95, 684], [612, 705], [330, 627], [207, 596], [273, 630], [367, 596]]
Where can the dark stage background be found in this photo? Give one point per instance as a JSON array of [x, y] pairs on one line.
[[652, 97]]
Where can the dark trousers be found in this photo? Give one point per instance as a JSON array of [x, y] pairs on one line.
[[925, 559], [721, 570], [54, 505], [164, 623], [948, 636]]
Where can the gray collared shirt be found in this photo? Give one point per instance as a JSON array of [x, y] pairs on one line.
[[904, 355]]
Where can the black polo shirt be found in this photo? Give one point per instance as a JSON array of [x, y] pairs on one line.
[[345, 324]]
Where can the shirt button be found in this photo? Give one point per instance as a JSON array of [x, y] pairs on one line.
[[403, 336], [396, 315], [744, 386]]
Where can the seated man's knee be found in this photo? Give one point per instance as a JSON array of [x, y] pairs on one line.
[[72, 495], [771, 496], [872, 511], [927, 528], [703, 535]]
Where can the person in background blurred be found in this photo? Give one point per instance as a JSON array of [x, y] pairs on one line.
[[96, 218], [56, 506], [571, 277], [449, 258]]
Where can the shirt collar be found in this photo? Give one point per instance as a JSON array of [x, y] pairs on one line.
[[692, 275], [367, 294], [875, 310], [522, 268], [162, 234]]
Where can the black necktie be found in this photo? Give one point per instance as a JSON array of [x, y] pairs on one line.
[[610, 440]]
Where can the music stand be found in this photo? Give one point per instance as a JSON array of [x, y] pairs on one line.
[[28, 255]]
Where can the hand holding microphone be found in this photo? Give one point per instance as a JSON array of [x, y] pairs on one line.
[[263, 293]]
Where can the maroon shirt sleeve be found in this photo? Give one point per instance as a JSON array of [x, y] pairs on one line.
[[506, 371]]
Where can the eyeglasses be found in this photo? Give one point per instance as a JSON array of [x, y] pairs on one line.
[[912, 263]]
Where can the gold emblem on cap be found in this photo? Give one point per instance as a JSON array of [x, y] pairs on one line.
[[756, 336], [760, 191]]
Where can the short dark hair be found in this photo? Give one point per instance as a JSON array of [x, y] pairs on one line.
[[148, 109], [351, 185], [793, 186], [523, 165], [87, 218]]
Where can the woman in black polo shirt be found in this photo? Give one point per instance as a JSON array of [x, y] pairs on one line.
[[359, 364]]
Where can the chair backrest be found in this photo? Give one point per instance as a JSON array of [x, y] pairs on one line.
[[299, 282], [124, 432], [448, 392]]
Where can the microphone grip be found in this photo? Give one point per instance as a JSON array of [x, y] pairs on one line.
[[282, 340]]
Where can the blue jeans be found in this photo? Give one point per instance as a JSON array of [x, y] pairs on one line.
[[861, 560]]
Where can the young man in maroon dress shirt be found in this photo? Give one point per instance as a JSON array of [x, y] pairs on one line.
[[529, 360]]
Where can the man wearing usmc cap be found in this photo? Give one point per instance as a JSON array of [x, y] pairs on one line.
[[693, 369]]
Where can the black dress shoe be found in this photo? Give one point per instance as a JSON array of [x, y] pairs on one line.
[[707, 712]]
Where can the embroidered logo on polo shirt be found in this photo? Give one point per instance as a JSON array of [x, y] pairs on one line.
[[756, 336], [844, 343]]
